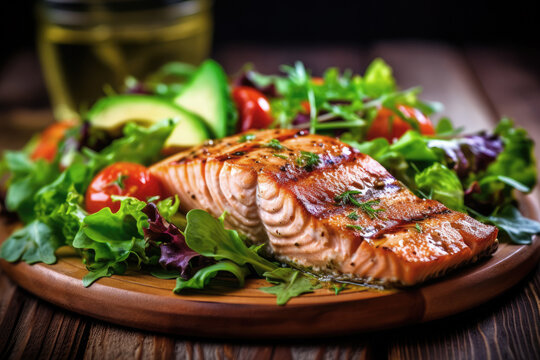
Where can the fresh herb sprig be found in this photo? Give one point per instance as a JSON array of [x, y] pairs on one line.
[[307, 160], [347, 197], [274, 144]]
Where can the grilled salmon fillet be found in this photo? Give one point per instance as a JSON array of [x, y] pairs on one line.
[[321, 205]]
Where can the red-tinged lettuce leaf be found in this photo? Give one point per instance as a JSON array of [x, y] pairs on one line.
[[175, 254], [469, 154]]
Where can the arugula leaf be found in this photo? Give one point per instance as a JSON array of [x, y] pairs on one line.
[[202, 278], [103, 269], [289, 283], [34, 243]]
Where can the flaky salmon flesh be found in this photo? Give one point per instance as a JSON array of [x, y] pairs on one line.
[[321, 205]]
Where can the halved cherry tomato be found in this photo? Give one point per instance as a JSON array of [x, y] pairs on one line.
[[389, 125], [253, 108], [122, 179], [47, 145]]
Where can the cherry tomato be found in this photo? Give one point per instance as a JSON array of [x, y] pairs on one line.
[[389, 125], [253, 108], [47, 145], [122, 179]]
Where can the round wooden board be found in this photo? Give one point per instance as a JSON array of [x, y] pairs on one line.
[[145, 302]]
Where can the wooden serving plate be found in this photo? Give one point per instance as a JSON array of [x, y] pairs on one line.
[[145, 302]]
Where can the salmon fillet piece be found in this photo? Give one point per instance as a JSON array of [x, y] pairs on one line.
[[278, 192]]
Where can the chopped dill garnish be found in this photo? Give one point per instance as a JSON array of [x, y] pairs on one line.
[[355, 227], [347, 197], [307, 160], [367, 207], [369, 210], [418, 228], [246, 137], [353, 215], [280, 156], [274, 144]]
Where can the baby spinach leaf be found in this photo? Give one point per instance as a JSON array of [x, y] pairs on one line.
[[34, 243], [513, 225]]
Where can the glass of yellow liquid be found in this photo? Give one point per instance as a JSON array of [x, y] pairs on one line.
[[85, 45]]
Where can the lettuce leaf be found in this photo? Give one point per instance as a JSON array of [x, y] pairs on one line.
[[175, 254], [477, 172], [27, 178], [36, 242], [108, 239], [442, 185], [208, 236]]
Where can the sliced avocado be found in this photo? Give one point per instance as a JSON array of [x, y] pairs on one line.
[[112, 113], [207, 95]]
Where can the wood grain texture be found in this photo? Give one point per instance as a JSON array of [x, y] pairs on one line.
[[506, 327]]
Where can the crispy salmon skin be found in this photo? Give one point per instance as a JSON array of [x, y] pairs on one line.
[[320, 204]]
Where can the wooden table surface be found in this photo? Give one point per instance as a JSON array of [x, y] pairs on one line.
[[478, 85]]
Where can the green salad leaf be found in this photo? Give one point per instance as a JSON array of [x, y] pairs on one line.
[[288, 284], [36, 242], [107, 239], [378, 79], [139, 144], [442, 185], [513, 224], [208, 236], [27, 178], [202, 278]]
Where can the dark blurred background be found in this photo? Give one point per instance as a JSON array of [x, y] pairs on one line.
[[338, 21], [265, 25]]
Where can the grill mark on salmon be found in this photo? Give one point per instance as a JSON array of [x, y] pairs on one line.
[[293, 209]]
